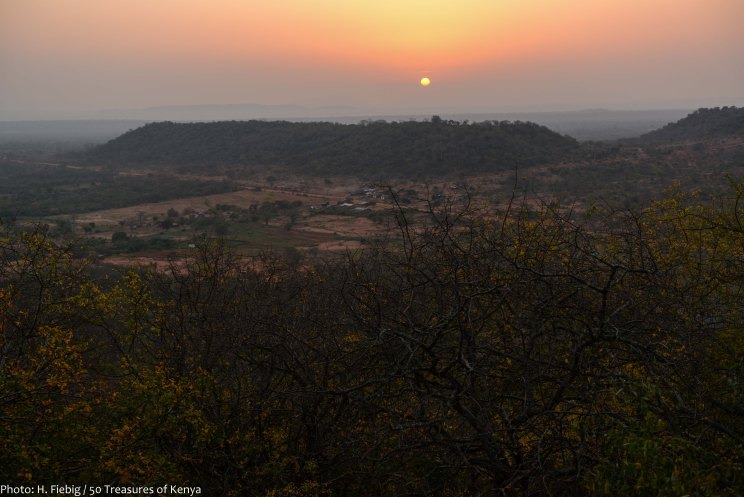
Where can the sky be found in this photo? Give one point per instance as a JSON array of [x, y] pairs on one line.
[[67, 58]]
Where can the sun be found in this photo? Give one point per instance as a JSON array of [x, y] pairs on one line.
[[425, 81]]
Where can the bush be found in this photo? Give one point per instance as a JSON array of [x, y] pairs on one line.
[[119, 237]]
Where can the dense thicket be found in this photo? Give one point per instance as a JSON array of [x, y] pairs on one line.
[[701, 124], [369, 148], [523, 355]]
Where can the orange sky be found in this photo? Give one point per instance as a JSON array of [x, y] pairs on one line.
[[66, 55]]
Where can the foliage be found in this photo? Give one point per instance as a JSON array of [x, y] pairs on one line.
[[529, 354], [703, 123], [47, 395], [369, 148], [28, 190]]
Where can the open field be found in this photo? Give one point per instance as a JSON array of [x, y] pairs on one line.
[[322, 216]]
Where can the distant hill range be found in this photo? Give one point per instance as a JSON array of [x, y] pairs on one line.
[[405, 148], [703, 123], [93, 128]]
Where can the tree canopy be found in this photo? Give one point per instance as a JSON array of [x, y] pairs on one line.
[[369, 148], [703, 123], [528, 353]]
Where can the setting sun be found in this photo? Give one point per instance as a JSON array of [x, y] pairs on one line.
[[425, 81]]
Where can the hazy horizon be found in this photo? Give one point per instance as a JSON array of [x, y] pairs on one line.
[[78, 59]]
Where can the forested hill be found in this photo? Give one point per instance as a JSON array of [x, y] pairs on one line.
[[703, 123], [378, 147]]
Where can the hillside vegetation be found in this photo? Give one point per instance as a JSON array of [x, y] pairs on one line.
[[369, 148], [703, 123]]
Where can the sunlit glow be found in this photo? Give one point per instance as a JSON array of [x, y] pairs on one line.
[[387, 34], [152, 52], [425, 81]]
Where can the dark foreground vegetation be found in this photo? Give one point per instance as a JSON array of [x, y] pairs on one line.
[[368, 149], [524, 354]]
